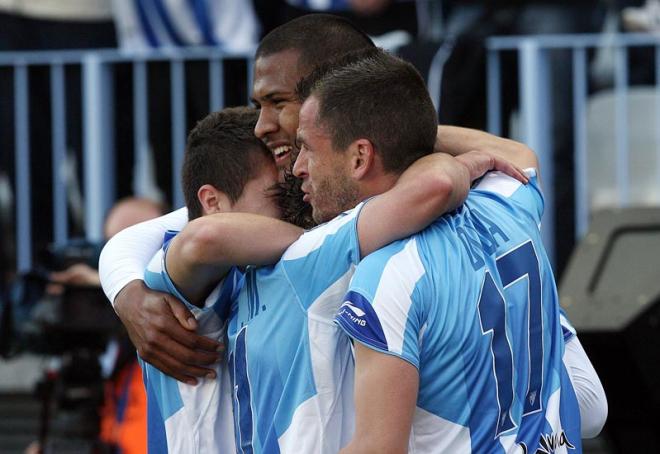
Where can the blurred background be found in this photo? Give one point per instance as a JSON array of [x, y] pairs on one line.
[[96, 100]]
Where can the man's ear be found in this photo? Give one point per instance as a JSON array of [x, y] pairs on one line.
[[363, 158], [213, 200]]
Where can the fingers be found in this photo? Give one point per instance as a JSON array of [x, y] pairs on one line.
[[176, 353], [169, 361], [511, 169], [160, 327], [181, 313]]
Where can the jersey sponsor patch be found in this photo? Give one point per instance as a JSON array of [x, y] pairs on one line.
[[357, 316]]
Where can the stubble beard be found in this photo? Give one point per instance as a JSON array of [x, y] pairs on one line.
[[338, 194]]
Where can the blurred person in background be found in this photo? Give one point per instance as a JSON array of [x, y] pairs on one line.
[[124, 411]]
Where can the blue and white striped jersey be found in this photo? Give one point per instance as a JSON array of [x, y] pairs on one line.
[[471, 302], [183, 418], [292, 369], [321, 5], [229, 24]]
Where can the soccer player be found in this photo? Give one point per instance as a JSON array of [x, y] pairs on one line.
[[457, 335], [226, 169]]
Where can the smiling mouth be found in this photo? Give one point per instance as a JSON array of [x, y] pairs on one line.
[[281, 152]]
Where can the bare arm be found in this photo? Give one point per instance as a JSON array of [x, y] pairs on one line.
[[205, 250], [431, 186], [455, 141], [385, 396], [159, 325]]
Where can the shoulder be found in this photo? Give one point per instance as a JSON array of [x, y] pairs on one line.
[[334, 231]]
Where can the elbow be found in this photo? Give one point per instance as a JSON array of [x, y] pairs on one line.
[[196, 239], [526, 155], [446, 190], [450, 191]]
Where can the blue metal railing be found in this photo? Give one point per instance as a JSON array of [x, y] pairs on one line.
[[98, 114], [534, 90], [97, 119]]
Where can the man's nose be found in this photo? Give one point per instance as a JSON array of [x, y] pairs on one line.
[[266, 123], [300, 165]]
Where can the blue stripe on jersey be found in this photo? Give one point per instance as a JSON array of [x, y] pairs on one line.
[[201, 13], [156, 438], [166, 390], [568, 330], [164, 16], [147, 28]]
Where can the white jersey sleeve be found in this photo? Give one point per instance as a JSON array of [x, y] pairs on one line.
[[127, 254], [588, 389]]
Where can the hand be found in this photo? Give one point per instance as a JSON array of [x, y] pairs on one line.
[[79, 274], [480, 162], [163, 332]]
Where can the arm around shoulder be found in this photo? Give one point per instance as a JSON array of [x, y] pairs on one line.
[[455, 141], [431, 186], [205, 250]]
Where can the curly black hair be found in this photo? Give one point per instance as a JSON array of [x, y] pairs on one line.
[[290, 198]]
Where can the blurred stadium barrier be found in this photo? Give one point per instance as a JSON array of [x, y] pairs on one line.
[[616, 132], [98, 89]]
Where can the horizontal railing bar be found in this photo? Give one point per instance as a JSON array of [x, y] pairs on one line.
[[572, 40], [116, 56]]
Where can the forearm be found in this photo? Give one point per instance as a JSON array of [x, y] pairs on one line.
[[455, 141], [126, 255], [203, 252], [433, 185]]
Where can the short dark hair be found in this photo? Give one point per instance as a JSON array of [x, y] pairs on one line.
[[222, 151], [374, 95], [318, 37]]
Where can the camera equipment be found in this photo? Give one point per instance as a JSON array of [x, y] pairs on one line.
[[73, 324]]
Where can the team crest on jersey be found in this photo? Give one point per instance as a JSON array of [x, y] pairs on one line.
[[550, 443]]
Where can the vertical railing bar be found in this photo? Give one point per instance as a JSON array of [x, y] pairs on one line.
[[250, 79], [58, 122], [93, 138], [494, 87], [178, 96], [535, 108], [109, 149], [140, 127], [657, 119], [216, 85], [581, 175], [621, 126], [22, 169]]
